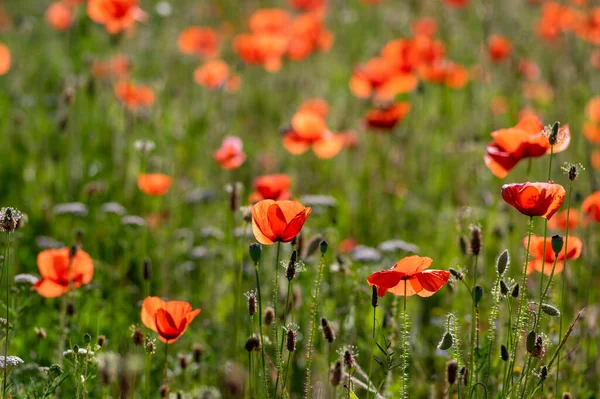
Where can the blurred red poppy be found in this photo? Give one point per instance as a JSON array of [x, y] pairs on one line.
[[115, 15], [5, 59], [409, 272], [278, 221], [155, 184], [59, 16], [559, 221], [387, 118], [591, 206], [169, 319], [537, 252], [196, 40], [534, 199], [308, 130], [456, 3], [273, 187], [213, 74], [230, 154], [61, 273], [499, 48], [134, 96]]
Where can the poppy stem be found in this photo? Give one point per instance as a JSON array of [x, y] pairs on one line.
[[474, 332], [280, 355], [404, 392], [372, 346], [5, 270], [167, 364], [262, 341], [276, 290]]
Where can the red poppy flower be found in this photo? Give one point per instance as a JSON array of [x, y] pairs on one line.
[[591, 206], [230, 154], [309, 131], [59, 16], [60, 273], [134, 96], [456, 3], [526, 139], [537, 252], [499, 48], [273, 187], [169, 319], [387, 118], [5, 59], [559, 221], [410, 272], [203, 42], [115, 15], [155, 184], [534, 199], [117, 66], [278, 221], [213, 74]]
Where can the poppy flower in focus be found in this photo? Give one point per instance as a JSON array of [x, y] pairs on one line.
[[591, 206], [155, 184], [273, 187], [115, 15], [59, 16], [308, 130], [203, 42], [278, 221], [524, 140], [409, 272], [60, 272], [134, 96], [537, 252], [534, 199], [559, 221], [387, 118], [230, 154], [5, 59], [499, 48], [169, 319]]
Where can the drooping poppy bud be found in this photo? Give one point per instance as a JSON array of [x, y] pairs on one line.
[[557, 244]]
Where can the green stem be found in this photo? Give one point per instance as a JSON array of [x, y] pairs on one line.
[[280, 356], [372, 346], [472, 373], [262, 341], [404, 347], [276, 291], [5, 270]]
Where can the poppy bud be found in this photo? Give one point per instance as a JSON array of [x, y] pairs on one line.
[[553, 137], [531, 337], [550, 310], [101, 341], [269, 316], [446, 342], [147, 270], [515, 291], [71, 308], [75, 348], [462, 244], [328, 332], [477, 294], [504, 353], [197, 352], [87, 338], [335, 374], [557, 244], [503, 288], [290, 272], [476, 240], [138, 338], [544, 373], [323, 245], [252, 344], [374, 296], [183, 361], [255, 252], [73, 251], [451, 371], [502, 262], [290, 340], [458, 275]]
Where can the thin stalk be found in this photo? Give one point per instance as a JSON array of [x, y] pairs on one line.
[[280, 356], [5, 270], [167, 365], [372, 346], [276, 290], [474, 339], [262, 341], [404, 347]]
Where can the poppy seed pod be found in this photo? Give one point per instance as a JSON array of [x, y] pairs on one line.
[[550, 310], [477, 294], [446, 342], [374, 297], [557, 244], [147, 270], [328, 332], [269, 316], [476, 241], [515, 291], [504, 353], [323, 245], [335, 374], [451, 371], [255, 252], [502, 262], [503, 288]]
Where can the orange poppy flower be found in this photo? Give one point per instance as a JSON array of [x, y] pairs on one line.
[[155, 184], [134, 96], [426, 26], [278, 221], [409, 272], [315, 105], [5, 59], [59, 16], [591, 206], [534, 199], [169, 319], [526, 139], [60, 273], [115, 15], [528, 69], [117, 66], [591, 131], [499, 48], [270, 21], [559, 221], [213, 74], [537, 252], [309, 5], [203, 42], [387, 118], [273, 187], [230, 154], [595, 159], [366, 79], [309, 131], [592, 109]]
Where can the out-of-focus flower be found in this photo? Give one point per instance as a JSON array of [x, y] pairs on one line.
[[59, 16], [537, 252], [230, 154], [387, 118], [61, 271], [216, 74], [134, 96], [499, 48], [115, 15], [275, 187], [200, 41], [155, 184], [5, 59]]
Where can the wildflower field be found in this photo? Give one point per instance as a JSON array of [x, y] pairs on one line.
[[299, 199]]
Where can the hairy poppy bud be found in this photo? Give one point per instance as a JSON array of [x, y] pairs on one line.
[[515, 291], [503, 288], [328, 332], [147, 270], [269, 316], [451, 371], [374, 296], [553, 137], [477, 294], [252, 344], [446, 342], [87, 338], [550, 310], [502, 262], [504, 353], [255, 252], [544, 373], [476, 241], [290, 271], [531, 337], [75, 348], [323, 245], [557, 244], [457, 275], [335, 374]]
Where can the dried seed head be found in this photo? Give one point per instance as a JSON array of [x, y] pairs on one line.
[[335, 374], [147, 270], [183, 361], [557, 244], [163, 391], [544, 373], [374, 296], [255, 252], [101, 341], [291, 335], [9, 219], [457, 274], [251, 297], [234, 196], [446, 342], [502, 262], [539, 349], [197, 352], [451, 371], [504, 353], [348, 354], [476, 242], [572, 170], [269, 316], [138, 338], [550, 310], [567, 395], [553, 133], [150, 345], [515, 291], [464, 374], [253, 344], [328, 332], [503, 288]]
